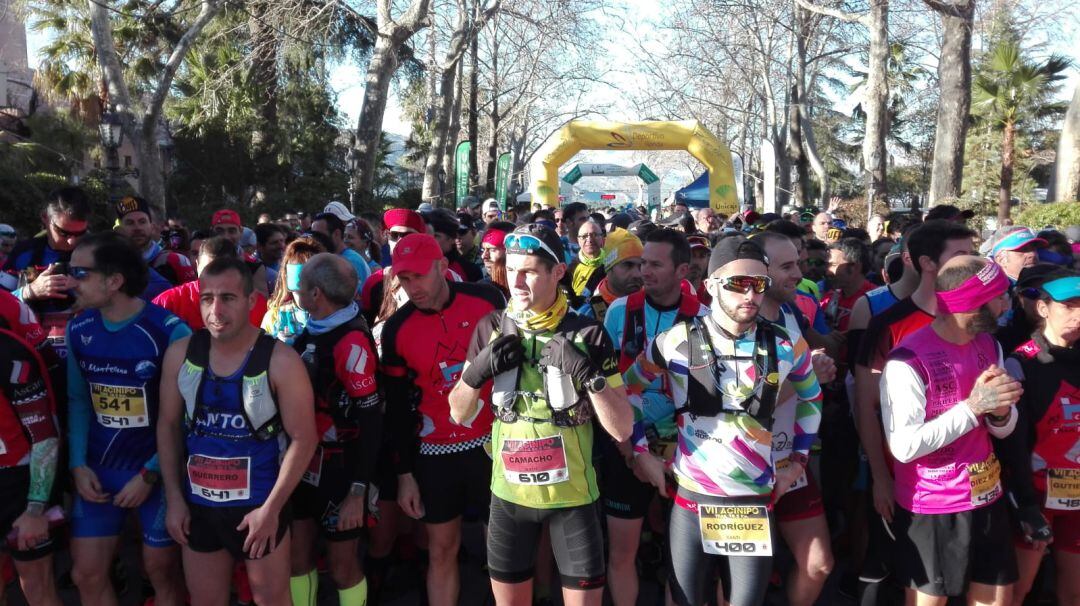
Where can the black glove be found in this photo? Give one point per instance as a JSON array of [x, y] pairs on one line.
[[561, 353], [1033, 524], [499, 356]]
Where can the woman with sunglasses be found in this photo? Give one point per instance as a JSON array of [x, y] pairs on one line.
[[726, 371], [1040, 454], [284, 318]]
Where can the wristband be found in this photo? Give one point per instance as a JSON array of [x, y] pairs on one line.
[[35, 508], [998, 420], [148, 476], [357, 489]]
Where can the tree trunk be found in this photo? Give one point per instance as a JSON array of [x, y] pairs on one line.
[[368, 129], [449, 154], [816, 162], [263, 41], [874, 151], [1067, 173], [142, 130], [795, 150], [440, 125], [474, 90], [1008, 155], [954, 78]]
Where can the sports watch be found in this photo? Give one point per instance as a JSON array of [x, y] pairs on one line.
[[596, 384]]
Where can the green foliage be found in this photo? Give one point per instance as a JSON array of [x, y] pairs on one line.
[[1058, 214]]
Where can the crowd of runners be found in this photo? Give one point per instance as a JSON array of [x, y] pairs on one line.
[[727, 405]]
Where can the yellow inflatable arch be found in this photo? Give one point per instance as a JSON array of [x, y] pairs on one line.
[[687, 135]]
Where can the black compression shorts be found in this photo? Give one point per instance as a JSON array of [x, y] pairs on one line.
[[938, 554], [576, 538], [214, 529], [454, 484], [319, 497]]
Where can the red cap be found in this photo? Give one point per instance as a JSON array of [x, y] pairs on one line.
[[404, 217], [415, 253], [226, 216]]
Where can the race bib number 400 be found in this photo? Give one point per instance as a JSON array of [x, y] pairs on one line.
[[119, 406], [220, 480], [541, 461], [1063, 489], [735, 530], [985, 481]]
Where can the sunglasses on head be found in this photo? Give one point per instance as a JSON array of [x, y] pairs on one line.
[[80, 273], [744, 284], [528, 244], [69, 234]]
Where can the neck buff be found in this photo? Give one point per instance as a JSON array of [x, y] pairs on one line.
[[152, 251], [604, 290], [544, 321], [584, 270], [339, 317], [975, 292]]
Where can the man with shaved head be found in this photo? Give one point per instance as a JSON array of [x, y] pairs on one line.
[[339, 353]]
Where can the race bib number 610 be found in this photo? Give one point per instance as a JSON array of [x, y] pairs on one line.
[[541, 461]]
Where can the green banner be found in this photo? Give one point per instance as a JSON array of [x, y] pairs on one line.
[[461, 171], [502, 179]]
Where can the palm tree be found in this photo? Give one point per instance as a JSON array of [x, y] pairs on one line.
[[1009, 93]]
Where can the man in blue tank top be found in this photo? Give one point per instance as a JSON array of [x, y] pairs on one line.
[[236, 433], [115, 348]]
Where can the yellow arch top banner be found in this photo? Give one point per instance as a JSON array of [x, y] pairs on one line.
[[687, 135]]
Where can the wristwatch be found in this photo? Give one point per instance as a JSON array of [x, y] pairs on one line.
[[357, 489], [35, 508], [596, 384], [148, 476]]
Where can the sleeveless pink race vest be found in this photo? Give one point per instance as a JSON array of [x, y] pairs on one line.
[[965, 474]]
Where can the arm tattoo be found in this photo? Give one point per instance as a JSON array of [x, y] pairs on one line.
[[984, 399], [43, 457]]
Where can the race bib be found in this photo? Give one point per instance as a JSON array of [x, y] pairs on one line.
[[985, 480], [314, 470], [800, 482], [1063, 489], [541, 461], [220, 480], [735, 530], [119, 406], [665, 449]]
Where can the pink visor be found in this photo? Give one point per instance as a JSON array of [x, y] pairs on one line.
[[494, 237], [987, 285]]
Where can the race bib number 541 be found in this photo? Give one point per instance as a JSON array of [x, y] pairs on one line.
[[119, 406], [220, 480], [735, 530], [541, 461]]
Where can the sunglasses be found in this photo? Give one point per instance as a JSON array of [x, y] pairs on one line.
[[815, 263], [744, 284], [397, 235], [528, 244], [80, 273], [68, 234]]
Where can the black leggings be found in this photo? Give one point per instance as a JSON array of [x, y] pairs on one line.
[[690, 564], [576, 538]]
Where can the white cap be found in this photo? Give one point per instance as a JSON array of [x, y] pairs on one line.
[[425, 207], [340, 211], [490, 204], [7, 230]]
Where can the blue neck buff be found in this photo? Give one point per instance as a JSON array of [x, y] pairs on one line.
[[339, 317]]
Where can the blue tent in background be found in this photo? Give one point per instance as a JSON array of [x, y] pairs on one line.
[[695, 195]]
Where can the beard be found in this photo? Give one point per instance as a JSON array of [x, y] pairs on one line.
[[984, 321], [740, 314]]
